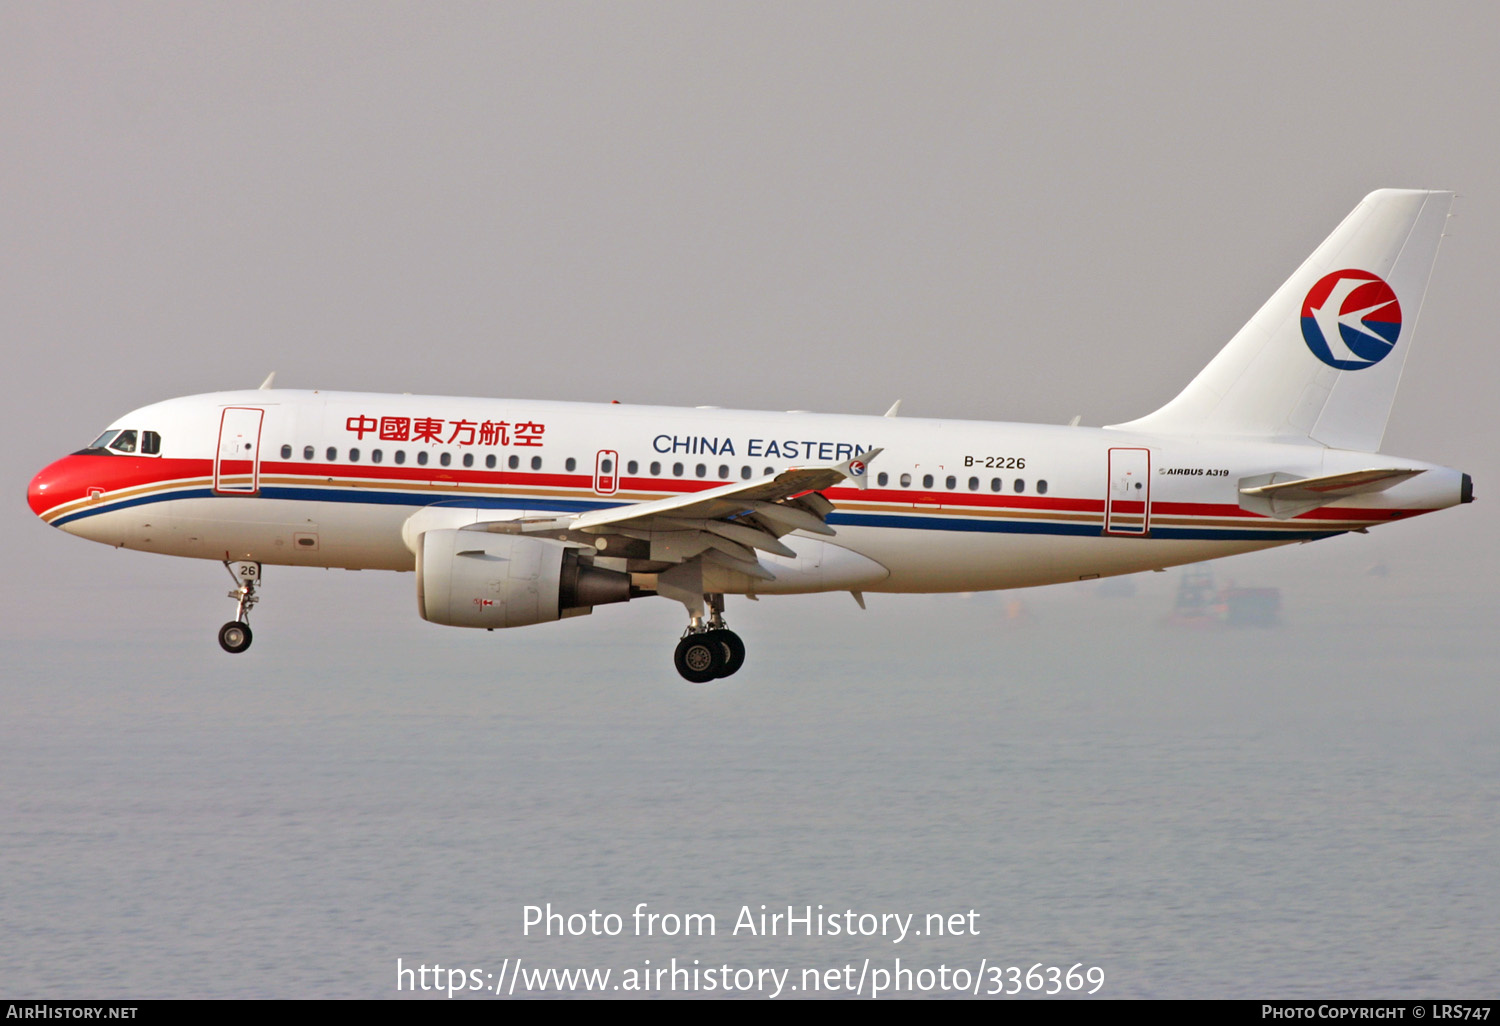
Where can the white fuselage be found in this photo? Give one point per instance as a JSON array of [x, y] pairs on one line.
[[329, 479]]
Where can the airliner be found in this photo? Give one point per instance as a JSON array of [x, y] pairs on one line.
[[514, 512]]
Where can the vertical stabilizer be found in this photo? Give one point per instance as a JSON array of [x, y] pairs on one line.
[[1320, 361]]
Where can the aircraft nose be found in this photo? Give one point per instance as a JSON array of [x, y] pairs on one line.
[[41, 494]]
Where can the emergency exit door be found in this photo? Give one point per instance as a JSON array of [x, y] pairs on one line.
[[606, 472]]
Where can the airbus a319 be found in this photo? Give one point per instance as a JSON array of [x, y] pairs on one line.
[[515, 512]]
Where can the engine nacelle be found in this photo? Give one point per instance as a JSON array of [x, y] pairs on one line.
[[478, 579]]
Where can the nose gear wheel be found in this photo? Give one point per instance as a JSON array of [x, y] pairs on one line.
[[235, 636]]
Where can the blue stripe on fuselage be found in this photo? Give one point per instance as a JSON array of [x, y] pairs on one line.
[[944, 522]]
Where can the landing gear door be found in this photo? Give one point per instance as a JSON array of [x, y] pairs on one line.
[[237, 459], [1127, 508], [607, 472]]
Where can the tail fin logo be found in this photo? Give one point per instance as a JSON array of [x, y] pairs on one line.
[[1351, 319]]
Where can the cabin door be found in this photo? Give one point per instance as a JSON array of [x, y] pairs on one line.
[[1127, 509], [237, 459]]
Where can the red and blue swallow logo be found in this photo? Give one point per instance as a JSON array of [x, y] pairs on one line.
[[1351, 319]]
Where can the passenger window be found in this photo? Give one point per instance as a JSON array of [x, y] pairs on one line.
[[308, 452], [723, 471], [677, 470], [422, 458], [376, 455], [632, 467], [973, 484], [996, 484], [400, 456], [1041, 487], [468, 459], [952, 482], [881, 478], [536, 463], [445, 458], [770, 471], [702, 470], [926, 480], [513, 462], [745, 473], [905, 480], [332, 454], [655, 469], [489, 461], [607, 467], [286, 452], [353, 455], [1020, 485], [570, 464]]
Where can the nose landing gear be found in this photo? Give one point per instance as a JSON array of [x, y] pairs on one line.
[[235, 636], [709, 650]]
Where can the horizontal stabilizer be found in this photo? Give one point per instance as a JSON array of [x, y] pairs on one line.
[[1282, 496]]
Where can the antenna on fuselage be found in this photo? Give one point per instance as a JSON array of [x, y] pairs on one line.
[[267, 383], [895, 409]]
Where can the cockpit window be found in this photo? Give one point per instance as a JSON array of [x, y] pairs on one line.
[[127, 442]]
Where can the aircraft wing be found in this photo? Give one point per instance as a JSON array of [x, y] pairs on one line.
[[723, 525], [740, 498]]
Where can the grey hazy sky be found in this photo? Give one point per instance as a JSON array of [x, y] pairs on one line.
[[993, 211]]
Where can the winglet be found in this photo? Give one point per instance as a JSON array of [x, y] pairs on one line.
[[856, 471]]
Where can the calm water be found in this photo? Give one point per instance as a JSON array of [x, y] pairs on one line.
[[1309, 810]]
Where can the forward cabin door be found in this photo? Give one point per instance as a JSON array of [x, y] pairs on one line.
[[1127, 509], [237, 459]]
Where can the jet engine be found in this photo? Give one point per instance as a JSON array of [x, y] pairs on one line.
[[478, 579]]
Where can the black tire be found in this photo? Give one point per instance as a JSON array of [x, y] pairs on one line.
[[235, 636], [699, 657], [734, 652]]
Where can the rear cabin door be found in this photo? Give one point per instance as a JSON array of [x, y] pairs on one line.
[[1127, 510], [237, 459]]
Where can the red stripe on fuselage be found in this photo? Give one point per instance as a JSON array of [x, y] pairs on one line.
[[74, 477]]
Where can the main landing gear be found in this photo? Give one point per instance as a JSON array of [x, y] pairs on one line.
[[709, 650], [235, 636]]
